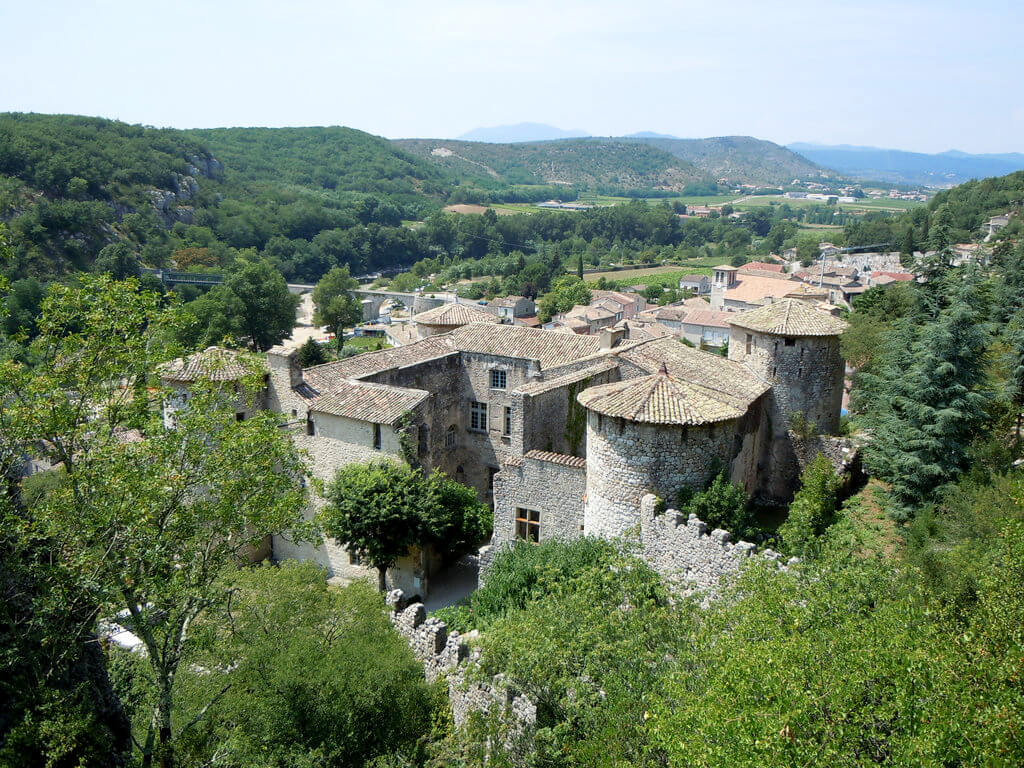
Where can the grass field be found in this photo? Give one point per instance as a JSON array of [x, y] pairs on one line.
[[650, 275], [861, 205]]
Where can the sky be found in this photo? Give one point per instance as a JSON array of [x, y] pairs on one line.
[[922, 76]]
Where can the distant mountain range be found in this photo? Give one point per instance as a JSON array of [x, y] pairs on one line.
[[510, 134], [897, 166]]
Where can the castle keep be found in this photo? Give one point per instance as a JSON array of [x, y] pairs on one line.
[[564, 434]]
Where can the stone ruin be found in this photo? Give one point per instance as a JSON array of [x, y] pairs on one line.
[[444, 655]]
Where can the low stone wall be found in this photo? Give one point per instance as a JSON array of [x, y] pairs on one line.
[[443, 654], [689, 558]]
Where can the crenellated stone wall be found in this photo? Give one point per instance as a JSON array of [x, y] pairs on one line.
[[686, 555], [444, 655]]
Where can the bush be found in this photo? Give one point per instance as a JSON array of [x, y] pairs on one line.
[[524, 573], [813, 508], [720, 505]]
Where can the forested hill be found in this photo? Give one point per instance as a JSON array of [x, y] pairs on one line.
[[624, 162], [322, 158], [601, 164], [72, 185], [741, 158]]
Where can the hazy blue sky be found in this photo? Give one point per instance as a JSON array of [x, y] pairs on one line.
[[925, 76]]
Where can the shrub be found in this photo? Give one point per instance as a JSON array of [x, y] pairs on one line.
[[720, 505], [813, 508]]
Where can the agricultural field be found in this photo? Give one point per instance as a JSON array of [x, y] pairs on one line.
[[502, 209], [651, 275], [896, 206]]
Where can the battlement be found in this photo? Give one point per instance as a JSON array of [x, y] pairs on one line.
[[443, 654], [681, 549]]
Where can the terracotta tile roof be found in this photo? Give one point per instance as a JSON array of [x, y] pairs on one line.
[[556, 458], [550, 349], [896, 276], [366, 401], [322, 377], [213, 364], [708, 318], [601, 365], [790, 317], [732, 381], [660, 399], [761, 266], [455, 314], [751, 288]]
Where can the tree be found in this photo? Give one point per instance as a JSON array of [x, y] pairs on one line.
[[579, 266], [253, 303], [381, 509], [813, 509], [310, 354], [118, 261], [925, 402], [314, 675], [335, 305], [720, 505], [908, 246], [147, 524], [566, 292]]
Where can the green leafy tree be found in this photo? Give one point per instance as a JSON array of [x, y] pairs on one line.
[[335, 305], [813, 509], [381, 509], [252, 303], [118, 261], [307, 674], [144, 526], [566, 292]]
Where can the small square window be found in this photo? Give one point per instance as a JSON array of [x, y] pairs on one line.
[[240, 416], [499, 379], [790, 342], [528, 525]]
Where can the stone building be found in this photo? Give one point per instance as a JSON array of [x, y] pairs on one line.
[[564, 434]]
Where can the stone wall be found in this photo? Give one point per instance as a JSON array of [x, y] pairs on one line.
[[444, 655], [549, 483], [686, 555], [553, 419]]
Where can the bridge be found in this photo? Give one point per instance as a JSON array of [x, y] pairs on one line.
[[176, 277]]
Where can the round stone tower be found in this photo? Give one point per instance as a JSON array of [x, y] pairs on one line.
[[653, 434], [795, 348]]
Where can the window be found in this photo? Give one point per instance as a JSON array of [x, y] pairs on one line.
[[354, 559], [508, 422], [750, 341], [449, 437], [790, 342], [295, 412], [240, 416], [528, 525], [499, 379], [310, 426], [376, 436], [478, 416]]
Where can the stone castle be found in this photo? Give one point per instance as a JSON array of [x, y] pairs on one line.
[[562, 434]]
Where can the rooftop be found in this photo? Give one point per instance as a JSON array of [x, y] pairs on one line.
[[367, 401], [790, 317], [455, 314], [751, 288], [212, 364], [660, 399], [709, 318]]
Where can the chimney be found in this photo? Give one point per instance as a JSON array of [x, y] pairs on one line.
[[611, 337]]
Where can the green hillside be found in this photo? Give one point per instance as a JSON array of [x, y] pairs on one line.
[[591, 163], [333, 158], [742, 159], [71, 185]]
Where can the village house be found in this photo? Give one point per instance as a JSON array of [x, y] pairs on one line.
[[512, 307], [706, 327], [699, 284]]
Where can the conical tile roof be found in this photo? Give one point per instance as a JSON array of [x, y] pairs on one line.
[[790, 317], [660, 399]]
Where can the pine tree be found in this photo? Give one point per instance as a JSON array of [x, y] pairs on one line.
[[923, 408], [908, 242]]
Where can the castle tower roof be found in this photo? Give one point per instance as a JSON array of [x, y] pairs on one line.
[[455, 314], [660, 399], [790, 317], [212, 364]]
